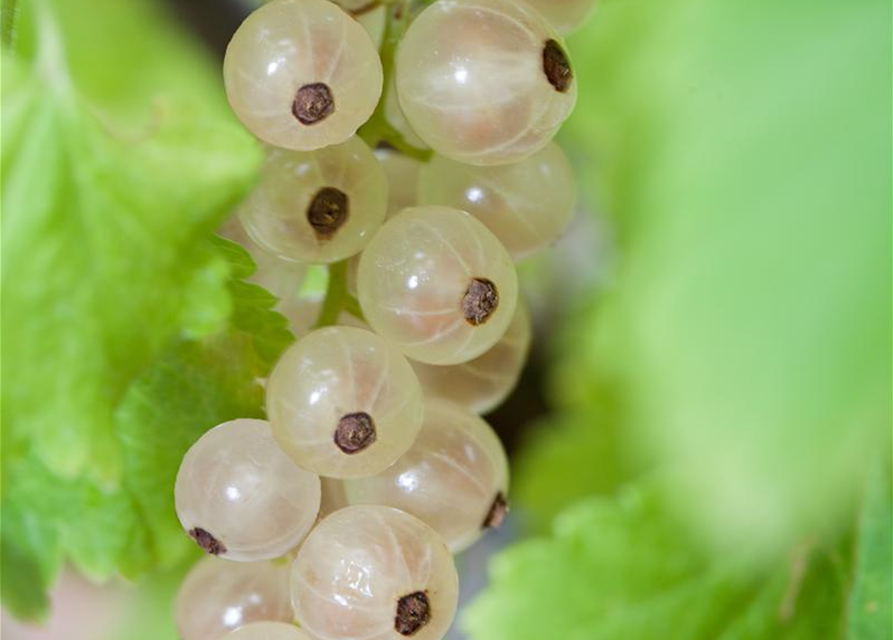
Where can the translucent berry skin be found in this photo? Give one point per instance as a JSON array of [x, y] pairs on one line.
[[393, 113], [304, 311], [267, 631], [373, 21], [238, 487], [289, 45], [359, 563], [283, 213], [450, 478], [280, 277], [333, 497], [218, 596], [402, 173], [403, 178], [481, 384], [341, 381], [475, 81], [416, 276], [564, 15], [527, 205]]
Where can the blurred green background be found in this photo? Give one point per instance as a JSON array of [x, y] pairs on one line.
[[701, 444]]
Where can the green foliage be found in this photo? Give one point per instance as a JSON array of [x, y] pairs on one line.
[[626, 569], [870, 616], [104, 257], [742, 150], [192, 386], [125, 336], [745, 154], [567, 458]]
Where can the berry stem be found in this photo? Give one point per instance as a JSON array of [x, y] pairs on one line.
[[336, 292], [378, 129], [337, 298]]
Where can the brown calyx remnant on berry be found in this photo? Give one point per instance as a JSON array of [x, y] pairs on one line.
[[498, 510], [328, 211], [355, 432], [556, 66], [413, 613], [313, 102], [480, 301], [207, 542]]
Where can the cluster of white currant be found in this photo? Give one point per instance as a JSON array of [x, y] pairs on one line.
[[342, 511]]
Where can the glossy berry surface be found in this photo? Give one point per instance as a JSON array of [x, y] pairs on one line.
[[343, 402], [484, 81], [218, 596], [317, 206], [483, 383], [436, 282], [375, 573], [454, 477], [268, 631], [527, 205], [302, 74], [564, 15], [240, 497]]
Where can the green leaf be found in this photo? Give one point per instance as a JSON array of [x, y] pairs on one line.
[[194, 385], [22, 585], [107, 205], [744, 150], [625, 569], [870, 615], [566, 458]]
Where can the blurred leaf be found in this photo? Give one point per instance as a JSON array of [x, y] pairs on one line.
[[106, 215], [625, 569], [149, 614], [745, 154], [194, 385], [23, 590], [565, 458], [870, 616]]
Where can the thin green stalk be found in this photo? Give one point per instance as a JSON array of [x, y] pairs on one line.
[[378, 129], [337, 298], [375, 131], [336, 294]]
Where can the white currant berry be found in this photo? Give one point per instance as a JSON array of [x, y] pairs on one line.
[[303, 312], [436, 282], [454, 477], [267, 631], [240, 497], [373, 19], [484, 81], [333, 497], [527, 205], [374, 573], [403, 177], [218, 596], [483, 383], [280, 277], [317, 206], [564, 15], [393, 113], [402, 173], [344, 403], [302, 74]]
